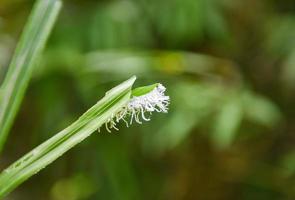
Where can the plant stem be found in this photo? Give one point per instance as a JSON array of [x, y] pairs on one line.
[[50, 150], [31, 44]]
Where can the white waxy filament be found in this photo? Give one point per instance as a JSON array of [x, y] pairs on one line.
[[154, 101]]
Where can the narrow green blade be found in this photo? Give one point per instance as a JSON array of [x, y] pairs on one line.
[[31, 43], [54, 147], [143, 90]]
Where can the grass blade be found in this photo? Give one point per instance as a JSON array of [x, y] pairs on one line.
[[29, 47], [54, 147]]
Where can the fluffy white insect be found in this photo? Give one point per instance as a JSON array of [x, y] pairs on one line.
[[155, 100]]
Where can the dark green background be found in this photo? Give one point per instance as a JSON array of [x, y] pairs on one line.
[[229, 66]]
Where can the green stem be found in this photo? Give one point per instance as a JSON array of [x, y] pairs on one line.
[[50, 150], [30, 46]]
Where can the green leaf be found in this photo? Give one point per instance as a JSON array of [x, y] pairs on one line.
[[143, 90], [261, 110], [56, 146], [227, 123], [31, 43]]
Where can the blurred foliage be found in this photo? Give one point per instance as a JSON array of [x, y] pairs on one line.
[[229, 67]]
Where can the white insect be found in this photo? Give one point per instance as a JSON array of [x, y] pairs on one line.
[[136, 108]]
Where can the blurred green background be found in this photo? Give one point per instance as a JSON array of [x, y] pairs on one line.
[[229, 67]]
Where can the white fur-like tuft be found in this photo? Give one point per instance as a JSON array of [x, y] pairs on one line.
[[156, 100]]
